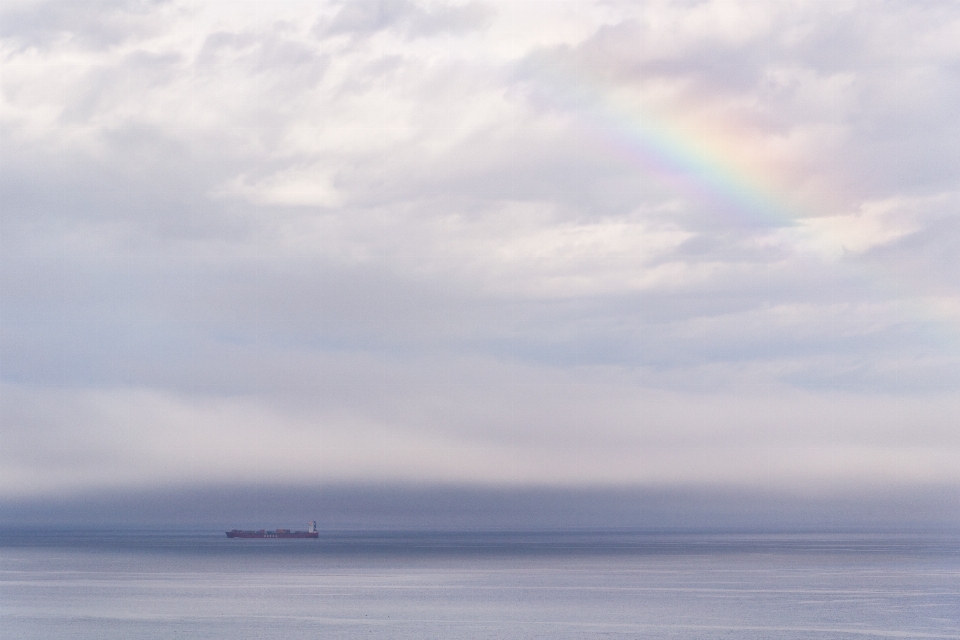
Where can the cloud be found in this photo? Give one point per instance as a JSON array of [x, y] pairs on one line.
[[367, 17], [364, 419], [307, 186], [505, 243], [97, 25]]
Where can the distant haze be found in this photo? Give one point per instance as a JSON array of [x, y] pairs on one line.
[[399, 507], [513, 246]]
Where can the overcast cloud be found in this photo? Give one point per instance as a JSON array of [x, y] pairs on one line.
[[534, 242]]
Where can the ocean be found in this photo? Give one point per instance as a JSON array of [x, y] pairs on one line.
[[553, 585]]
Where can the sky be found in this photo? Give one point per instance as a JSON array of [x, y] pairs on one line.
[[494, 244]]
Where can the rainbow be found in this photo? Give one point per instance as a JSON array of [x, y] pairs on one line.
[[697, 166], [698, 159], [723, 167]]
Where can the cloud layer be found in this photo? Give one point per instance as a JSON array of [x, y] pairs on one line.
[[562, 243]]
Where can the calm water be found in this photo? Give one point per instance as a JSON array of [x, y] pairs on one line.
[[186, 585]]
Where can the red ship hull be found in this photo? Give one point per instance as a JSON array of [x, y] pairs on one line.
[[272, 534]]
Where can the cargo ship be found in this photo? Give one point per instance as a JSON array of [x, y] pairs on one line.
[[311, 532]]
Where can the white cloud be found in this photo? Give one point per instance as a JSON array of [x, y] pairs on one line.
[[306, 186], [875, 224]]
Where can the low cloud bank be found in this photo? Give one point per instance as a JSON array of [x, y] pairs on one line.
[[445, 507]]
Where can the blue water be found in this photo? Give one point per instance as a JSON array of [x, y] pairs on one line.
[[131, 585]]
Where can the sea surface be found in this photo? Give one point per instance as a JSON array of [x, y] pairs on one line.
[[142, 584]]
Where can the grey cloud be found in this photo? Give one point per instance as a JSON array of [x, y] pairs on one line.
[[264, 53], [97, 24], [931, 250], [372, 16], [366, 17]]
